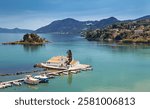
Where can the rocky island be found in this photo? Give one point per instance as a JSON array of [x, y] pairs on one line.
[[137, 31], [29, 39]]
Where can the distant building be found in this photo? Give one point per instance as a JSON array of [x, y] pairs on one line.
[[136, 32]]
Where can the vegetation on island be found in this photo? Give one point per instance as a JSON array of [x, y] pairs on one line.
[[30, 39], [137, 31]]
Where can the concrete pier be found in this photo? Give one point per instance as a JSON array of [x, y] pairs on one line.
[[73, 70]]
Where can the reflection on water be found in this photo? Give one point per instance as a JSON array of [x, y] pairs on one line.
[[34, 87], [32, 48], [69, 79], [138, 49]]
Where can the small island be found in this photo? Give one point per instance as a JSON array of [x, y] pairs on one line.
[[29, 39]]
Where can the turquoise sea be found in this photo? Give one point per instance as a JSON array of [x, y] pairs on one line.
[[115, 67]]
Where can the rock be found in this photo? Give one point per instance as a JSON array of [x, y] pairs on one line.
[[29, 39]]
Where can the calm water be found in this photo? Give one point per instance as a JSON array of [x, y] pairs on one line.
[[115, 68]]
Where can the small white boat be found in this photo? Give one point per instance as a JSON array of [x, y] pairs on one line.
[[66, 73], [16, 83], [74, 72], [84, 69], [43, 78], [2, 86], [89, 68], [30, 80], [50, 76], [8, 85]]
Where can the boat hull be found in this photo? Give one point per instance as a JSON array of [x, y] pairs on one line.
[[43, 80], [31, 82]]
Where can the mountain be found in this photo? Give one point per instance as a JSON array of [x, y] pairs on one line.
[[71, 26], [143, 18], [105, 22], [15, 30], [62, 26]]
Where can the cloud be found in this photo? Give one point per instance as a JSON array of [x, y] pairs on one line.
[[36, 13]]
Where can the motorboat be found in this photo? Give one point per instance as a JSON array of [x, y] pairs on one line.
[[30, 80], [8, 85], [43, 78], [2, 86], [16, 83], [50, 76]]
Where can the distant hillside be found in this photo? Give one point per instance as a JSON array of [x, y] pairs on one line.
[[106, 22], [62, 26], [71, 26], [15, 30], [136, 31], [143, 18]]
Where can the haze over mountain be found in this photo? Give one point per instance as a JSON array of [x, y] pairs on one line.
[[15, 30], [144, 17], [71, 26]]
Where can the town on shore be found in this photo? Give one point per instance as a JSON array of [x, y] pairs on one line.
[[122, 32]]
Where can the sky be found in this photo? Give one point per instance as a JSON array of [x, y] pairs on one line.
[[33, 14]]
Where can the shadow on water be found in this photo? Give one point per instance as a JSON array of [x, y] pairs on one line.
[[32, 48]]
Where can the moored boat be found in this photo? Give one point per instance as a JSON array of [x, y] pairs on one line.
[[74, 72], [30, 80], [5, 85], [66, 73], [16, 83], [43, 78], [2, 86], [50, 76]]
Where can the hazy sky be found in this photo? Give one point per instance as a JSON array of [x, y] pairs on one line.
[[32, 14]]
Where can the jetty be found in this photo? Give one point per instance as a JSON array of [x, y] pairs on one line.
[[62, 65], [73, 70]]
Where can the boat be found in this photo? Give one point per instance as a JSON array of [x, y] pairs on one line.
[[43, 78], [16, 83], [74, 72], [2, 86], [90, 68], [7, 84], [50, 76], [66, 73], [30, 80]]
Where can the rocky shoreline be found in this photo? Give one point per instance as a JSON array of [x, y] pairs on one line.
[[124, 32]]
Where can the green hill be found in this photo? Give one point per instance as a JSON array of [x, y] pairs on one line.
[[136, 31]]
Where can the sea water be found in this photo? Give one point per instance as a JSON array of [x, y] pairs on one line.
[[115, 67]]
